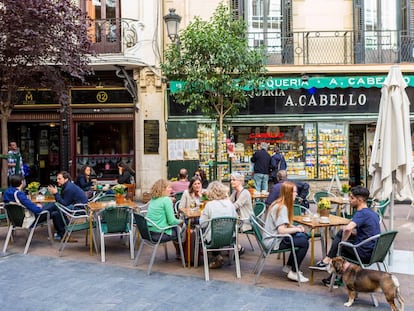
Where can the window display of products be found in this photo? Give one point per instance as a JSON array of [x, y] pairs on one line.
[[326, 150], [311, 150]]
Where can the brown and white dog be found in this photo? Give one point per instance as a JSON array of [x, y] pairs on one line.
[[361, 280]]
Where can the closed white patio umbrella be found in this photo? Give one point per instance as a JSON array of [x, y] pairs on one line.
[[391, 158]]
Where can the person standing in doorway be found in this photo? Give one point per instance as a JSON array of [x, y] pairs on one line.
[[14, 160], [261, 160]]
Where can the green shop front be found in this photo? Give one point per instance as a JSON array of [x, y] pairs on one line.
[[324, 126]]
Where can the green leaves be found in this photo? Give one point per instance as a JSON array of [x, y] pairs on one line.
[[211, 56]]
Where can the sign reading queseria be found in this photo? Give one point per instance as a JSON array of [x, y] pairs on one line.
[[272, 83]]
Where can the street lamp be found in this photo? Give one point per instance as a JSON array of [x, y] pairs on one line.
[[172, 21]]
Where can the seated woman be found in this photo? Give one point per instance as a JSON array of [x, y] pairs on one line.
[[241, 199], [218, 206], [279, 221], [192, 196], [161, 212], [125, 174], [86, 179], [15, 194], [200, 173]]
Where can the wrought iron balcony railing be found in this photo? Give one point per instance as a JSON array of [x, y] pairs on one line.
[[335, 47], [114, 35]]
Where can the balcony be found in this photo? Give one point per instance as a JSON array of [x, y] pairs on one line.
[[114, 35], [335, 47]]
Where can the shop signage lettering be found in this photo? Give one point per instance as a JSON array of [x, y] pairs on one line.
[[267, 135], [327, 100], [296, 83], [255, 93]]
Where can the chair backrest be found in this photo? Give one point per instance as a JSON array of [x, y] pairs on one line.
[[257, 229], [382, 246], [259, 208], [381, 206], [142, 226], [115, 219], [176, 206], [223, 231], [322, 194], [15, 212], [178, 195], [105, 198]]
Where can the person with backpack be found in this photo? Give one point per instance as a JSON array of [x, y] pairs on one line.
[[277, 163]]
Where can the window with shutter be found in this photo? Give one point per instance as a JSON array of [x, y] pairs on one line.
[[269, 25]]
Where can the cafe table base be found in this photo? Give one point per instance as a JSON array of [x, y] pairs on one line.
[[314, 224]]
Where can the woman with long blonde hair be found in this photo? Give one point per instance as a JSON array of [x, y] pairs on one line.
[[279, 221]]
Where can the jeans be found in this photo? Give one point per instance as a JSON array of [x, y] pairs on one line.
[[302, 243], [261, 181]]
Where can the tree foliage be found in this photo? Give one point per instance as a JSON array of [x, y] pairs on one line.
[[215, 61], [43, 43]]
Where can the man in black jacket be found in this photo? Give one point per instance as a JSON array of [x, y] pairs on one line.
[[261, 159]]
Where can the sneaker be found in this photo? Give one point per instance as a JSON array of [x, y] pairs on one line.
[[294, 277], [320, 265], [56, 237], [286, 269], [327, 282]]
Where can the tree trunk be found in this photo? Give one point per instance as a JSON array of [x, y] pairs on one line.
[[4, 149]]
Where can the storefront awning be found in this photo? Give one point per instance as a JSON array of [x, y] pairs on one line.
[[316, 82]]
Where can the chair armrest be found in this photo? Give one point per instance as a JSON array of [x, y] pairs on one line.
[[354, 247], [158, 227]]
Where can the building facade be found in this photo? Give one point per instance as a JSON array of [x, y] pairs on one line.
[[326, 63]]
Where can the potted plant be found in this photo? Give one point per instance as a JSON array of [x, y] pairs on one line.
[[251, 186], [120, 191], [33, 188], [324, 207], [345, 190]]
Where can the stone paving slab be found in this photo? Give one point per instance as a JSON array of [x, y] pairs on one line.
[[45, 283]]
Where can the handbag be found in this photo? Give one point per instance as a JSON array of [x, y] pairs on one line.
[[29, 217]]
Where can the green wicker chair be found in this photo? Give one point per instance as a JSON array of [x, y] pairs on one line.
[[16, 214], [223, 237], [258, 211], [381, 208], [267, 251], [382, 247], [75, 218], [146, 239], [115, 221]]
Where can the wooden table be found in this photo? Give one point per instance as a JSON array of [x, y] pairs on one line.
[[42, 200], [259, 196], [96, 207], [341, 202], [190, 214], [315, 224]]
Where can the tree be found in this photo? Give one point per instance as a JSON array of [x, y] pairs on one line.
[[43, 43], [216, 63]]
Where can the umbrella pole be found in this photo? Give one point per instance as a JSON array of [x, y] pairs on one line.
[[390, 256]]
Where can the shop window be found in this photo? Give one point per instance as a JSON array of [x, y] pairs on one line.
[[102, 145]]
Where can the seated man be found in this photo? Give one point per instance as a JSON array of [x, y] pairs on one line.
[[70, 194], [275, 191], [182, 183], [364, 224], [15, 194]]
